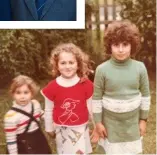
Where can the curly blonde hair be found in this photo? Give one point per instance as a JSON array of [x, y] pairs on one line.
[[21, 80], [81, 58], [121, 31]]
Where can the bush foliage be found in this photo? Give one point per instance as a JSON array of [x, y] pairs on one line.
[[27, 51]]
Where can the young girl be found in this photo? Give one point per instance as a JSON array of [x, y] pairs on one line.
[[68, 100], [21, 122], [121, 96]]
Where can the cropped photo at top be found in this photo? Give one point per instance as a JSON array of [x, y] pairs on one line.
[[38, 10]]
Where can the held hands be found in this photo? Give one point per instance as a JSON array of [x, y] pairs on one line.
[[101, 130], [94, 136], [142, 126]]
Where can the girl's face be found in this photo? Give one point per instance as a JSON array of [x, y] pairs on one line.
[[67, 65], [121, 51], [22, 95]]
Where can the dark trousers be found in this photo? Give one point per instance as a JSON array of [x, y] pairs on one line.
[[33, 143]]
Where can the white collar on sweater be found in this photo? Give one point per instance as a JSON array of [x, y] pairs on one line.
[[67, 82]]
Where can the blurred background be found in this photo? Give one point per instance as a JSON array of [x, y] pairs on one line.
[[27, 52]]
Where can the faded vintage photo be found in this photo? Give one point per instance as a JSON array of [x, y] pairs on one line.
[[79, 91]]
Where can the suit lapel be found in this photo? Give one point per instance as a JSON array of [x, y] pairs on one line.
[[32, 8], [48, 5]]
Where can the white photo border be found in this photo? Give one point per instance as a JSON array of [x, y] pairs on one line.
[[78, 24]]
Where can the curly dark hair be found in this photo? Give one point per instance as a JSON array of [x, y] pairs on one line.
[[81, 58], [122, 31]]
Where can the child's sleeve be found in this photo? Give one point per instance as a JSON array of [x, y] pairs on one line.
[[48, 115], [88, 89], [48, 91], [10, 132], [38, 106], [89, 106], [48, 94], [89, 93], [145, 92], [98, 94]]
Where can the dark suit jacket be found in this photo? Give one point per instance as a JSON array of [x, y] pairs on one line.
[[54, 10], [5, 12]]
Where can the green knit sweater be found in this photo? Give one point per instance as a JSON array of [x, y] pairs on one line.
[[121, 80]]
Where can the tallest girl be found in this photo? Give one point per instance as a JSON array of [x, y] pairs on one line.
[[121, 97]]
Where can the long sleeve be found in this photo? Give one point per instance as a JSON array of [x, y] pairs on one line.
[[99, 82], [48, 115], [145, 92], [10, 128], [41, 112], [89, 106]]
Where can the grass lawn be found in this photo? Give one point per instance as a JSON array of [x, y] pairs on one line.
[[149, 139]]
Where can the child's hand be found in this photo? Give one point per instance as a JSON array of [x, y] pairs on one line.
[[142, 126], [101, 130], [94, 136], [52, 134]]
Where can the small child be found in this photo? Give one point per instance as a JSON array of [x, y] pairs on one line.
[[21, 122], [68, 100], [121, 98]]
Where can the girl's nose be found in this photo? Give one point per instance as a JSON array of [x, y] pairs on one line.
[[120, 48], [22, 96], [67, 65]]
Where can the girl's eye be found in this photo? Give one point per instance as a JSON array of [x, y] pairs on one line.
[[26, 92], [71, 62], [115, 44], [62, 63], [17, 92], [125, 44]]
